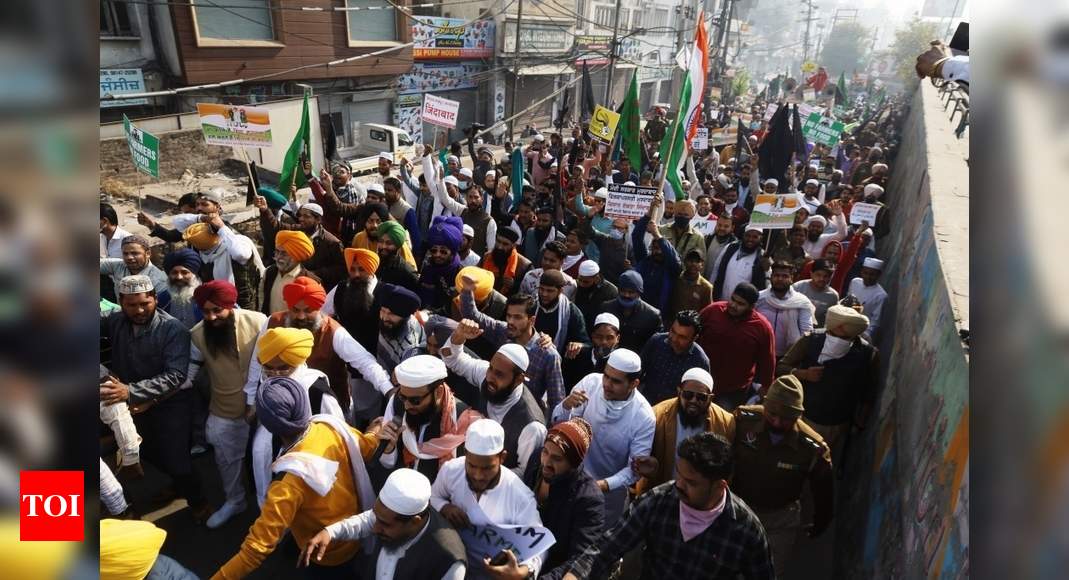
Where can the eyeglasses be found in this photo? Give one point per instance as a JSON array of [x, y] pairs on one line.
[[277, 371], [412, 400], [691, 395]]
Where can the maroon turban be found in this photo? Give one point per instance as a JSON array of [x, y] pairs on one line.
[[220, 292]]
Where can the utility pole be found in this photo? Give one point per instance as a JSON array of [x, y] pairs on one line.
[[515, 71], [808, 21], [612, 53]]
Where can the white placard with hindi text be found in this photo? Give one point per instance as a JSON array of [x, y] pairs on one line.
[[629, 202], [701, 139], [439, 111], [864, 212], [489, 540]]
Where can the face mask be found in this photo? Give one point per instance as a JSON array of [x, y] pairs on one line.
[[602, 352], [616, 234], [464, 185], [627, 302], [834, 347], [755, 125], [682, 222]]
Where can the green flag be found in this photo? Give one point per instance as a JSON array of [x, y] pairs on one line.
[[630, 128], [299, 150], [842, 89]]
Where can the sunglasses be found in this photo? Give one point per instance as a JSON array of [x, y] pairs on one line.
[[691, 395], [412, 400]]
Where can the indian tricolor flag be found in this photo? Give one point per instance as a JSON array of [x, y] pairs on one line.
[[685, 125]]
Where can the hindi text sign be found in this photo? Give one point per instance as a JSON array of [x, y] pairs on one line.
[[144, 148], [701, 139], [488, 540], [629, 202], [775, 211], [235, 125], [439, 111]]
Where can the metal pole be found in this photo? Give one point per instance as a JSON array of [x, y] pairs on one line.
[[808, 21], [515, 70], [612, 53]]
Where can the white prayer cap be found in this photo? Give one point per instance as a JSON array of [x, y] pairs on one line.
[[376, 187], [216, 194], [135, 284], [451, 180], [812, 182], [452, 159], [539, 138], [699, 375], [753, 228], [406, 492], [838, 172], [589, 268], [469, 231], [724, 180], [625, 361], [517, 354], [872, 263], [602, 193], [490, 173], [485, 437], [420, 370], [630, 183], [607, 318], [386, 155], [878, 166], [771, 180], [816, 218], [873, 189], [466, 172], [314, 208]]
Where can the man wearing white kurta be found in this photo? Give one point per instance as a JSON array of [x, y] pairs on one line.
[[474, 490], [407, 524], [872, 296], [622, 421]]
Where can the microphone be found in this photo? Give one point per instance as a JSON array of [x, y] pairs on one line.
[[382, 444]]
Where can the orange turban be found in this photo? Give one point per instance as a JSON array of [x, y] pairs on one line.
[[367, 259], [484, 281], [201, 236], [292, 345], [296, 243], [307, 289]]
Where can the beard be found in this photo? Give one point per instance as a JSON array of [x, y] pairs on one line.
[[395, 331], [357, 297], [416, 421], [182, 293], [688, 420], [500, 258], [813, 237], [222, 338], [311, 325], [496, 398]]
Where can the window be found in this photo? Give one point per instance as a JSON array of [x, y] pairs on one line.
[[660, 21], [115, 19], [580, 9], [370, 27], [234, 23], [378, 135], [603, 16], [637, 20]]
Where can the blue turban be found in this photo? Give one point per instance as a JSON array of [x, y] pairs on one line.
[[282, 407], [446, 231], [399, 300], [186, 257], [630, 280]]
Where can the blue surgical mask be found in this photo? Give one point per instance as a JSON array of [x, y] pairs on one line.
[[627, 302], [616, 234]]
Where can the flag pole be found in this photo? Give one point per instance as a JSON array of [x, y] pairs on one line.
[[664, 162]]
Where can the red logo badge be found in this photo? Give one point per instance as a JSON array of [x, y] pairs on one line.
[[52, 506]]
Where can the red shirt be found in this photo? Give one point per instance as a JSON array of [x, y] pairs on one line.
[[740, 351]]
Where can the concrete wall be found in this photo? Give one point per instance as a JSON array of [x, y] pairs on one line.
[[904, 503]]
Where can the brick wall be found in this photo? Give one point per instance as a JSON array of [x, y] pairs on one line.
[[179, 150]]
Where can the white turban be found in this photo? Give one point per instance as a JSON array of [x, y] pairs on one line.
[[406, 492], [485, 437], [466, 172], [873, 263], [589, 268], [607, 318], [817, 218], [772, 181], [873, 189], [451, 180], [386, 155], [813, 182], [517, 354], [420, 371], [625, 361], [698, 375]]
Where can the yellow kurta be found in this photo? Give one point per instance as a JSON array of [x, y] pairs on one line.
[[291, 504], [361, 242]]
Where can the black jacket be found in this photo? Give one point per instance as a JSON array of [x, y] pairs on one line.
[[643, 323], [574, 510], [757, 276], [590, 301]]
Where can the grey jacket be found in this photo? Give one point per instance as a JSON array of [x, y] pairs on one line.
[[152, 359]]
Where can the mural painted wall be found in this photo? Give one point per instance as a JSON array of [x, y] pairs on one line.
[[906, 490]]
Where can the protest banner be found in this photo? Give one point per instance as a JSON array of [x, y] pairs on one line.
[[487, 540], [804, 110], [144, 148], [864, 212], [629, 202], [234, 125], [603, 124], [820, 129], [440, 112], [775, 211], [809, 95], [701, 139], [705, 226], [724, 135]]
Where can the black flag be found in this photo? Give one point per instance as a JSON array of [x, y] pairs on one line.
[[253, 188], [565, 108], [800, 151], [330, 148], [586, 111], [777, 148]]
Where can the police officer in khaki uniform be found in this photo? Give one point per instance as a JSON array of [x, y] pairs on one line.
[[775, 453]]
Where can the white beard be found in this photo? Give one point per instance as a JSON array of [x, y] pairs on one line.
[[183, 295]]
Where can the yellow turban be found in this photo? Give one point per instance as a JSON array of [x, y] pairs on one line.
[[292, 345], [484, 281], [296, 243], [201, 236], [128, 548], [367, 259]]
